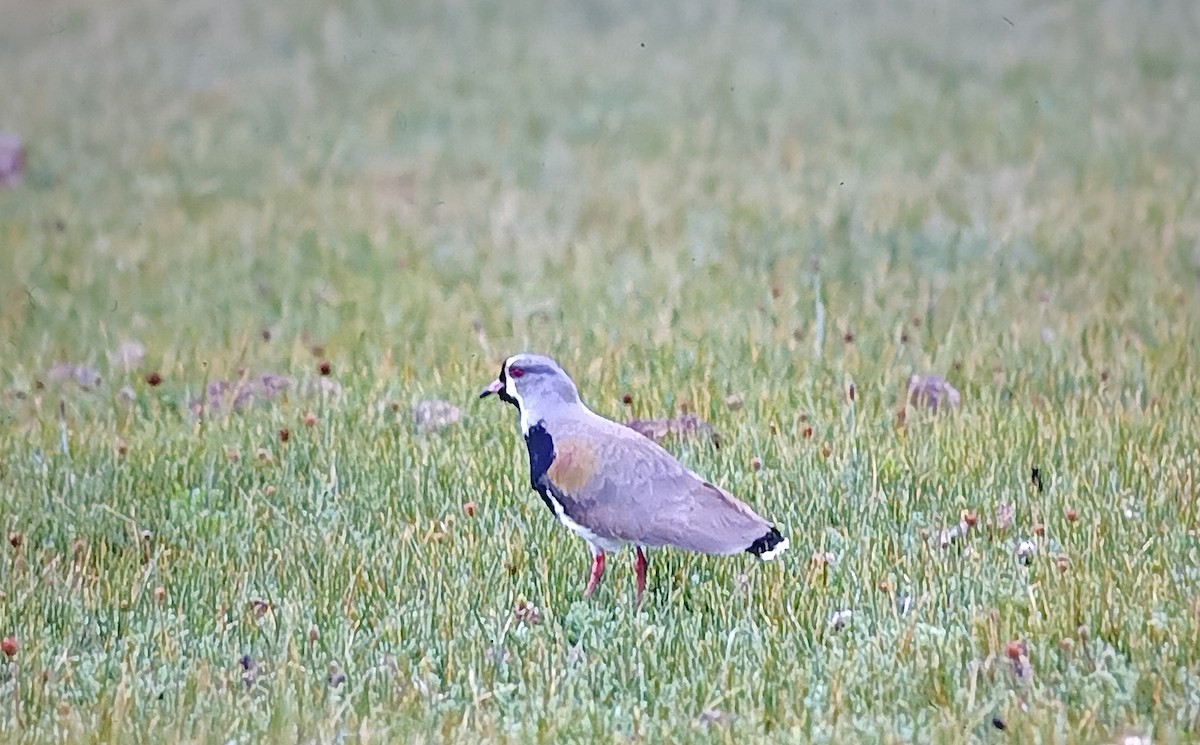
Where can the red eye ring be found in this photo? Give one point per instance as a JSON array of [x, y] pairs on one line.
[[515, 372]]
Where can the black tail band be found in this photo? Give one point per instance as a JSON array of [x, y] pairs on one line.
[[766, 543]]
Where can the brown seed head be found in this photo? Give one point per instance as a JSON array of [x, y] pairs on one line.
[[1014, 650], [325, 368], [16, 539], [627, 399], [160, 594], [970, 518], [469, 508], [527, 612], [9, 646], [153, 378], [1039, 529], [806, 432], [284, 435], [1072, 515], [756, 463]]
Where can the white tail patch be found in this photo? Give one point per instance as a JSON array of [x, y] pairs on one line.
[[774, 552]]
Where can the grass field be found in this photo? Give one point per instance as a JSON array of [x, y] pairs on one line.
[[681, 202]]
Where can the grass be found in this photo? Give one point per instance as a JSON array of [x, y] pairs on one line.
[[681, 203]]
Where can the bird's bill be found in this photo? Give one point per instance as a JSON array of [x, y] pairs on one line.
[[494, 387]]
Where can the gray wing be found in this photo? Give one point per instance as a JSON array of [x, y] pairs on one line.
[[619, 484]]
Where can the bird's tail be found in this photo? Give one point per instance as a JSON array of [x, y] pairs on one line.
[[769, 546]]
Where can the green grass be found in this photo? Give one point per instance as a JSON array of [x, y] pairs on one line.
[[680, 202]]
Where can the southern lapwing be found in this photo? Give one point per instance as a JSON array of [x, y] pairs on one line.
[[614, 486]]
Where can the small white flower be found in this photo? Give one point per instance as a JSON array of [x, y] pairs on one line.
[[839, 618], [824, 557], [1026, 551], [953, 534]]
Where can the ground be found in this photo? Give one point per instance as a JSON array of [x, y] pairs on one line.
[[768, 215]]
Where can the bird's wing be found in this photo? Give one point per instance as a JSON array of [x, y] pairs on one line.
[[619, 484]]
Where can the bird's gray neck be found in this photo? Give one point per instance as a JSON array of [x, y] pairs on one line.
[[549, 412]]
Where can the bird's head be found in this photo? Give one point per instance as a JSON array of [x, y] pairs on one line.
[[535, 384]]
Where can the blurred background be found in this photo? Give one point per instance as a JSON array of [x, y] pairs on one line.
[[539, 172]]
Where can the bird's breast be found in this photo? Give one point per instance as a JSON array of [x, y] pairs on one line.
[[574, 465]]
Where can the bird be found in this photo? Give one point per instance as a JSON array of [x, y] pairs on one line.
[[615, 487]]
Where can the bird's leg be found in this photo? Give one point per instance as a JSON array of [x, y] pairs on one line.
[[597, 571], [639, 567]]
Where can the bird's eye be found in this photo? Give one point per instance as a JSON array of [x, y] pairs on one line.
[[515, 372]]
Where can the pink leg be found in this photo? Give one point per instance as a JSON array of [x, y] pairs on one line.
[[597, 572], [639, 566]]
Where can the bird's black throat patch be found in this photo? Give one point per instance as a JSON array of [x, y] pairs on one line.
[[541, 454]]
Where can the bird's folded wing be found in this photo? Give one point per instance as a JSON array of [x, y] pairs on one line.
[[621, 485]]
